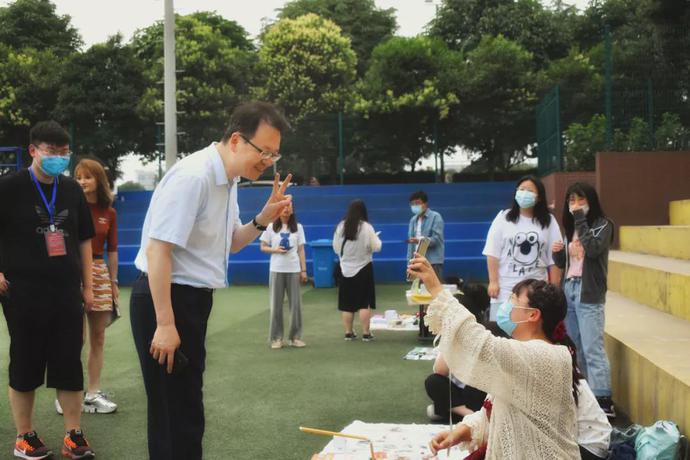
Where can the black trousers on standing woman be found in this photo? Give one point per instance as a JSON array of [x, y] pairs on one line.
[[174, 401]]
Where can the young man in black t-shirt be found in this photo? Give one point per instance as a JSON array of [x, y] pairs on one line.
[[45, 265]]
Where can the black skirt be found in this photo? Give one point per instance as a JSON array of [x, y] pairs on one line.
[[357, 292]]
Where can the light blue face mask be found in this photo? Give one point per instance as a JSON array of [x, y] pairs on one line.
[[503, 317], [416, 209], [54, 165], [525, 198]]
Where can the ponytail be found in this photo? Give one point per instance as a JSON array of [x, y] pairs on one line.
[[560, 336]]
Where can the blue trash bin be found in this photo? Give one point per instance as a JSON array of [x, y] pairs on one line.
[[324, 262]]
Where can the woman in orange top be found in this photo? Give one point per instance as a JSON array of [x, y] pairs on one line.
[[92, 178]]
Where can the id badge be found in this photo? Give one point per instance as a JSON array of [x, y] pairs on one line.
[[55, 243]]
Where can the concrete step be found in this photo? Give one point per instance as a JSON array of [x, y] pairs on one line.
[[650, 369], [659, 282], [659, 240], [680, 212]]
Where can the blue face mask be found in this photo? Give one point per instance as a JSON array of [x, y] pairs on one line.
[[54, 165], [416, 209], [503, 317], [525, 198]]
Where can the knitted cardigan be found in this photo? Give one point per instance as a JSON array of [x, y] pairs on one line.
[[534, 413]]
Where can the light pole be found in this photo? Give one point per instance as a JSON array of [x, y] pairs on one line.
[[170, 89]]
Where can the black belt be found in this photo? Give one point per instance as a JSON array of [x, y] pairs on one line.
[[145, 276]]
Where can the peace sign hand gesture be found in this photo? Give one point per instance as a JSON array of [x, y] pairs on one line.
[[276, 202]]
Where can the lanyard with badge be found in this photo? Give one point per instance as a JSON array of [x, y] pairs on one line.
[[55, 241]]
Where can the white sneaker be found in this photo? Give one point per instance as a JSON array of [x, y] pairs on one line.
[[58, 407], [297, 343], [276, 345], [431, 413], [98, 403]]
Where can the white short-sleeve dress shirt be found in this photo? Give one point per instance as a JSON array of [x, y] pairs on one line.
[[195, 208]]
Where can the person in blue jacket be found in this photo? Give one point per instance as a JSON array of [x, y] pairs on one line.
[[427, 223]]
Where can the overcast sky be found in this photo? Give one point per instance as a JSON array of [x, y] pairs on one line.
[[96, 20]]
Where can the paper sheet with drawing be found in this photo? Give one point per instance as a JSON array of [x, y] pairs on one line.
[[391, 442]]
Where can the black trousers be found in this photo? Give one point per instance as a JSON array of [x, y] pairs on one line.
[[437, 389], [174, 401]]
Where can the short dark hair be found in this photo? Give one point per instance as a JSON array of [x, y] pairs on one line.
[[246, 118], [49, 132], [419, 195]]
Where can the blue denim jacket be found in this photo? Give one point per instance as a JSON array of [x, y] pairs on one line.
[[432, 228]]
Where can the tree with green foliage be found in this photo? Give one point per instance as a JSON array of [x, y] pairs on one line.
[[131, 186], [34, 43], [215, 61], [671, 134], [406, 95], [29, 84], [308, 68], [360, 20], [497, 92], [582, 142], [98, 96], [35, 24], [307, 65], [546, 33], [581, 85]]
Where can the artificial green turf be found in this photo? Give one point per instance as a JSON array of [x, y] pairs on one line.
[[256, 398]]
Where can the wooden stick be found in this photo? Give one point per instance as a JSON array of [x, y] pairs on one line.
[[342, 435]]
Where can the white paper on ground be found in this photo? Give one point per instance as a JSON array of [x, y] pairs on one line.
[[421, 354], [391, 442]]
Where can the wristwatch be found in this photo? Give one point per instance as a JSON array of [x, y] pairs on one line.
[[257, 225]]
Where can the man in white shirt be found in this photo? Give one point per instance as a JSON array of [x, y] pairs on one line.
[[191, 225]]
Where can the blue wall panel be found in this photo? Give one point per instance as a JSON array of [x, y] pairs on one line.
[[467, 209]]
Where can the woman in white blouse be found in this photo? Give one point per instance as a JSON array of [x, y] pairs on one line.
[[531, 410], [355, 241]]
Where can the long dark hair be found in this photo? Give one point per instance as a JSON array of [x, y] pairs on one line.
[[292, 222], [550, 301], [356, 213], [585, 190], [541, 211]]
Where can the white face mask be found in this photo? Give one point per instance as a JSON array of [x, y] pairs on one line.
[[585, 209]]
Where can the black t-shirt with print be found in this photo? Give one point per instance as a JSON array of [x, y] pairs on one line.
[[24, 220]]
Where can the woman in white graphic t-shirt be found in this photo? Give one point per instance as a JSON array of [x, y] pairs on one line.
[[519, 242], [284, 240]]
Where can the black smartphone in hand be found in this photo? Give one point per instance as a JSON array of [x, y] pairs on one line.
[[180, 362]]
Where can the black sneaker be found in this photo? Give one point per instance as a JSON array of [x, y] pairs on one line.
[[606, 405], [367, 337], [350, 336], [76, 446], [30, 446]]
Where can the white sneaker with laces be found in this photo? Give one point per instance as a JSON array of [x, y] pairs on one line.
[[98, 403]]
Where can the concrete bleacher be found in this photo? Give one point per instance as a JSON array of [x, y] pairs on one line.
[[648, 320], [467, 209]]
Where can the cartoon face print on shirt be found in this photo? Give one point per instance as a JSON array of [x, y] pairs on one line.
[[526, 248]]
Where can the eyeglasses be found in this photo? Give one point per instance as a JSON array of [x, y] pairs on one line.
[[264, 154], [54, 152]]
